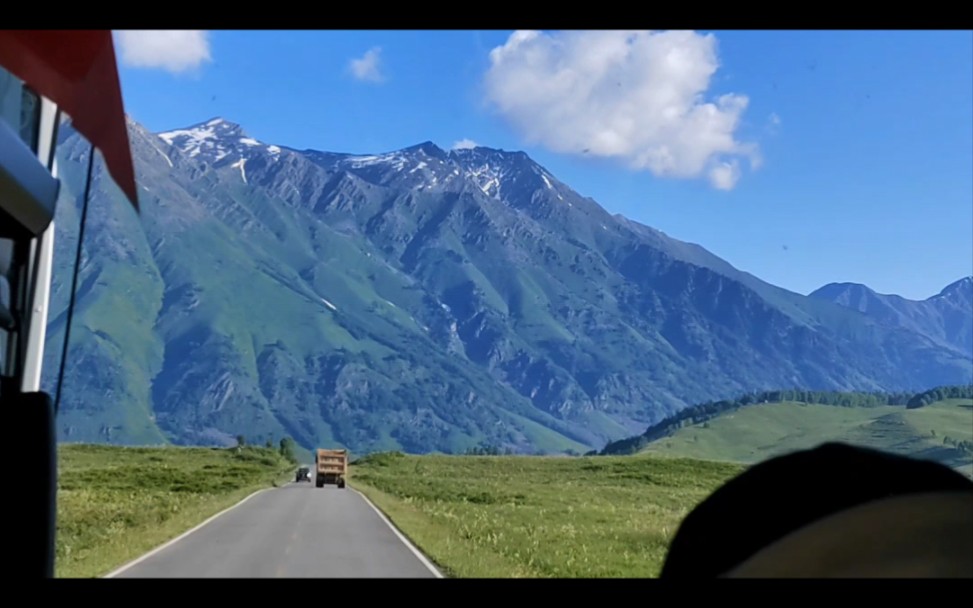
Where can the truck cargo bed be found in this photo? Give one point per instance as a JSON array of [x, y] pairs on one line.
[[331, 467]]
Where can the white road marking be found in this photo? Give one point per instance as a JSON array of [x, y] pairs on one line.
[[405, 541], [115, 573]]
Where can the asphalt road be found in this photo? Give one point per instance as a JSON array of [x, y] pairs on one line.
[[296, 531]]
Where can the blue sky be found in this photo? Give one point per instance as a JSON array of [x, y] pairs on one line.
[[801, 157]]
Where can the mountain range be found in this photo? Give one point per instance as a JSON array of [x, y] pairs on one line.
[[427, 300], [944, 318]]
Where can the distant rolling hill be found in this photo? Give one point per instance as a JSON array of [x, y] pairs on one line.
[[941, 430]]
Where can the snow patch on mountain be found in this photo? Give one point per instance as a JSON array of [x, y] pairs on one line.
[[243, 172], [488, 178], [395, 160], [192, 141], [497, 173], [216, 140]]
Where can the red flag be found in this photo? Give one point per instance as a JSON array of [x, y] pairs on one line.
[[76, 70]]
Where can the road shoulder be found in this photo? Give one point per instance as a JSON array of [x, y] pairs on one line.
[[426, 561]]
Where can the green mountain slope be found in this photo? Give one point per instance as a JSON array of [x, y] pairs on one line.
[[418, 300]]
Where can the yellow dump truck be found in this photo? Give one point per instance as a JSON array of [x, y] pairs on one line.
[[331, 467]]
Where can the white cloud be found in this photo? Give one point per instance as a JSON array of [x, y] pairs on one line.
[[773, 123], [634, 96], [725, 174], [366, 67], [465, 144], [172, 50]]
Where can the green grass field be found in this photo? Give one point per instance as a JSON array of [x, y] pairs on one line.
[[486, 516], [757, 432], [531, 516], [116, 503]]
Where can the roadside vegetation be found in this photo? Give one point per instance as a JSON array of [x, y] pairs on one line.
[[491, 514], [116, 503], [487, 514], [533, 516]]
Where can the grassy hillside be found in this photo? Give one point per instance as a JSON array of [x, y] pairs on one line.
[[941, 431], [116, 503], [524, 516]]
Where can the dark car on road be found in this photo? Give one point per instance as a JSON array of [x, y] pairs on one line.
[[303, 474]]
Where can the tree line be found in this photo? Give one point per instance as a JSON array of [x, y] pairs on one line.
[[938, 394], [286, 447]]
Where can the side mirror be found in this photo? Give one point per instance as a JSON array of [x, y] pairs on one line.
[[29, 190]]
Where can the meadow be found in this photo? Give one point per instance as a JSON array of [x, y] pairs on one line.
[[537, 516], [117, 503], [482, 515]]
